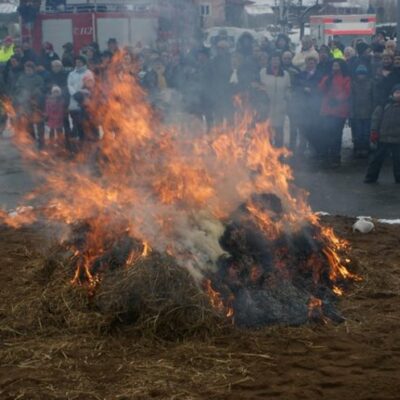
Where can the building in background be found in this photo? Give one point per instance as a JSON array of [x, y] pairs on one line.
[[211, 12]]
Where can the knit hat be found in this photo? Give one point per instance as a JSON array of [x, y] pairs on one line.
[[396, 88], [361, 70], [56, 63], [81, 59], [361, 47], [48, 46], [56, 90], [8, 40], [68, 46]]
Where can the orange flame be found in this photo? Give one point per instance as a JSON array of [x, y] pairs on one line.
[[166, 187]]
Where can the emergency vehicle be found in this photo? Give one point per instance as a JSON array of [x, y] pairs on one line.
[[346, 28], [139, 24]]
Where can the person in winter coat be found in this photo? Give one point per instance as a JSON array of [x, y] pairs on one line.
[[282, 43], [364, 52], [385, 131], [197, 90], [276, 84], [90, 127], [351, 58], [390, 81], [48, 56], [58, 77], [220, 75], [361, 110], [287, 65], [6, 50], [55, 112], [337, 50], [28, 102], [93, 59], [68, 58], [325, 61], [75, 85], [335, 109], [307, 49], [307, 98], [14, 71], [28, 53]]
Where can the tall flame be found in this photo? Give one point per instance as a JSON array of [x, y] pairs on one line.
[[164, 185]]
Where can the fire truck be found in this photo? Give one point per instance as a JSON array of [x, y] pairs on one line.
[[138, 23], [346, 28]]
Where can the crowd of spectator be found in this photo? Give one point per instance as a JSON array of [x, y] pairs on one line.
[[314, 91]]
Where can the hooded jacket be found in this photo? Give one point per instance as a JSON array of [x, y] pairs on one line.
[[386, 121]]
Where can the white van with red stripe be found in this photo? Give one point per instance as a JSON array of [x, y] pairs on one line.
[[346, 28]]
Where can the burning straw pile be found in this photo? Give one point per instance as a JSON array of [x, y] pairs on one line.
[[171, 231]]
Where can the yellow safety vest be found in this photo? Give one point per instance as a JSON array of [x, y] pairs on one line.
[[6, 54], [337, 53]]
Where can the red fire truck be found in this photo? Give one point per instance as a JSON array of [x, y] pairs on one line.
[[346, 28], [141, 23]]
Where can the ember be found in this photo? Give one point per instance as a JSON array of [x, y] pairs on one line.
[[222, 205]]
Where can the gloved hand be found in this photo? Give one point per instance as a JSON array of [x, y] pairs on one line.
[[374, 137]]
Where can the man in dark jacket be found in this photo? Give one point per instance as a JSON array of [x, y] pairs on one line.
[[29, 102], [28, 52], [68, 57], [361, 110], [385, 131], [220, 74], [364, 53], [390, 81], [307, 97], [48, 56], [287, 64]]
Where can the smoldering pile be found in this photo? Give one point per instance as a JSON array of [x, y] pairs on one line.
[[259, 281], [274, 280]]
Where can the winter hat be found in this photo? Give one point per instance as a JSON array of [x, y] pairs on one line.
[[56, 90], [8, 40], [361, 70], [48, 46], [82, 59], [56, 63], [396, 88], [68, 46], [361, 48], [29, 64]]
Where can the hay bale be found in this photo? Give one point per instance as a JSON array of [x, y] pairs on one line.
[[155, 297]]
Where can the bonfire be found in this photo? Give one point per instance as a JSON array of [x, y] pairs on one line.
[[220, 207]]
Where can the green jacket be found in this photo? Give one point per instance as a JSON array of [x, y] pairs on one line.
[[386, 121]]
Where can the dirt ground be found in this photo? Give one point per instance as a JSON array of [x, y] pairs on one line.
[[358, 359]]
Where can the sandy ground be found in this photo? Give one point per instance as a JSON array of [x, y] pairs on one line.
[[358, 359]]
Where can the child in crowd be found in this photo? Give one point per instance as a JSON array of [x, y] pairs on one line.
[[361, 110], [385, 131], [55, 109]]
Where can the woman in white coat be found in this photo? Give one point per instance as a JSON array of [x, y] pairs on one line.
[[75, 84], [275, 82]]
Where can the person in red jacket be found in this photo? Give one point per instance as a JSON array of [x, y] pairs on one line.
[[335, 109], [55, 112]]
